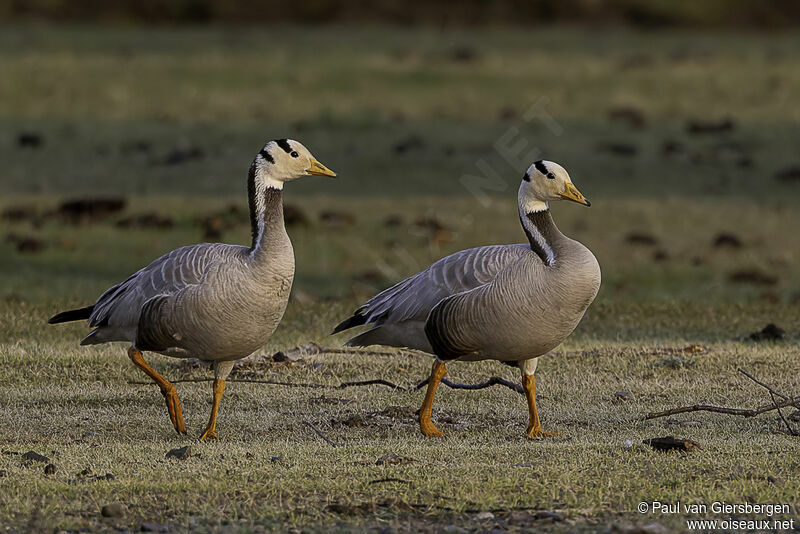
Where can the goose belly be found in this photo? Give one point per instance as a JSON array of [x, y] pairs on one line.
[[533, 323], [235, 323]]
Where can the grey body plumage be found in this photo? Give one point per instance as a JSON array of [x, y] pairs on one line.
[[499, 302], [208, 301]]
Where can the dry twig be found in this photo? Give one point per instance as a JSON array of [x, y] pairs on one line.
[[787, 401], [491, 381], [318, 432]]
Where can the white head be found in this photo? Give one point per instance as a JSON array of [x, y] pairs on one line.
[[284, 160], [545, 181]]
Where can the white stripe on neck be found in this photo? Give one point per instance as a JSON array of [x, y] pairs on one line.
[[533, 232], [262, 182]]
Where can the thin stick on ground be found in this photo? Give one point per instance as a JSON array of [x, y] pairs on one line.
[[787, 401], [491, 381], [318, 432], [791, 430], [762, 384]]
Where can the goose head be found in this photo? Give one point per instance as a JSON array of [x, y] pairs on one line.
[[284, 160], [545, 181]]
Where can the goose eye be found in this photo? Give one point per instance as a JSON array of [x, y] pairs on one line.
[[294, 154], [551, 175]]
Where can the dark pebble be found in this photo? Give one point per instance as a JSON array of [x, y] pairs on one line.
[[413, 142], [337, 219], [710, 127], [180, 453], [112, 510], [30, 140], [634, 117], [29, 245], [752, 276], [553, 516], [636, 238], [154, 527], [292, 215], [619, 149], [788, 174], [32, 456], [771, 332], [660, 255], [727, 240], [464, 54]]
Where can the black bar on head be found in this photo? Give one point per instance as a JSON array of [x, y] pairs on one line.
[[284, 144], [266, 155]]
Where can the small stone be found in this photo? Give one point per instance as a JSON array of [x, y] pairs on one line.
[[32, 456], [670, 443], [181, 453], [276, 459], [627, 444], [653, 528], [484, 516], [394, 459], [552, 516], [771, 332], [519, 518], [90, 434], [50, 469], [727, 240], [112, 510], [690, 423], [623, 395]]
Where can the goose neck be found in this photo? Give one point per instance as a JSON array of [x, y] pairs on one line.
[[266, 214], [542, 233]]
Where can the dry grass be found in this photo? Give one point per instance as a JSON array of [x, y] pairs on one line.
[[76, 405], [93, 95]]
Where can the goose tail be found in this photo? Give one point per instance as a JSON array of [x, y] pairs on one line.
[[355, 320], [71, 315]]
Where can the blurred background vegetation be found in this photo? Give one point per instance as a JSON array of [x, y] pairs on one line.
[[646, 13], [678, 119]]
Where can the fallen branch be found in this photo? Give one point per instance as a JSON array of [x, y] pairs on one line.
[[721, 409], [787, 401], [762, 384], [320, 434], [492, 381], [791, 430]]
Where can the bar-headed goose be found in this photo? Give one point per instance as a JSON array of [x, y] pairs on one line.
[[211, 301], [511, 303]]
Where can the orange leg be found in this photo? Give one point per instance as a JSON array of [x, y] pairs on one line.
[[425, 423], [211, 429], [534, 426], [167, 389]]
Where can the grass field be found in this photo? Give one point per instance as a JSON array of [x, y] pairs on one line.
[[170, 119]]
